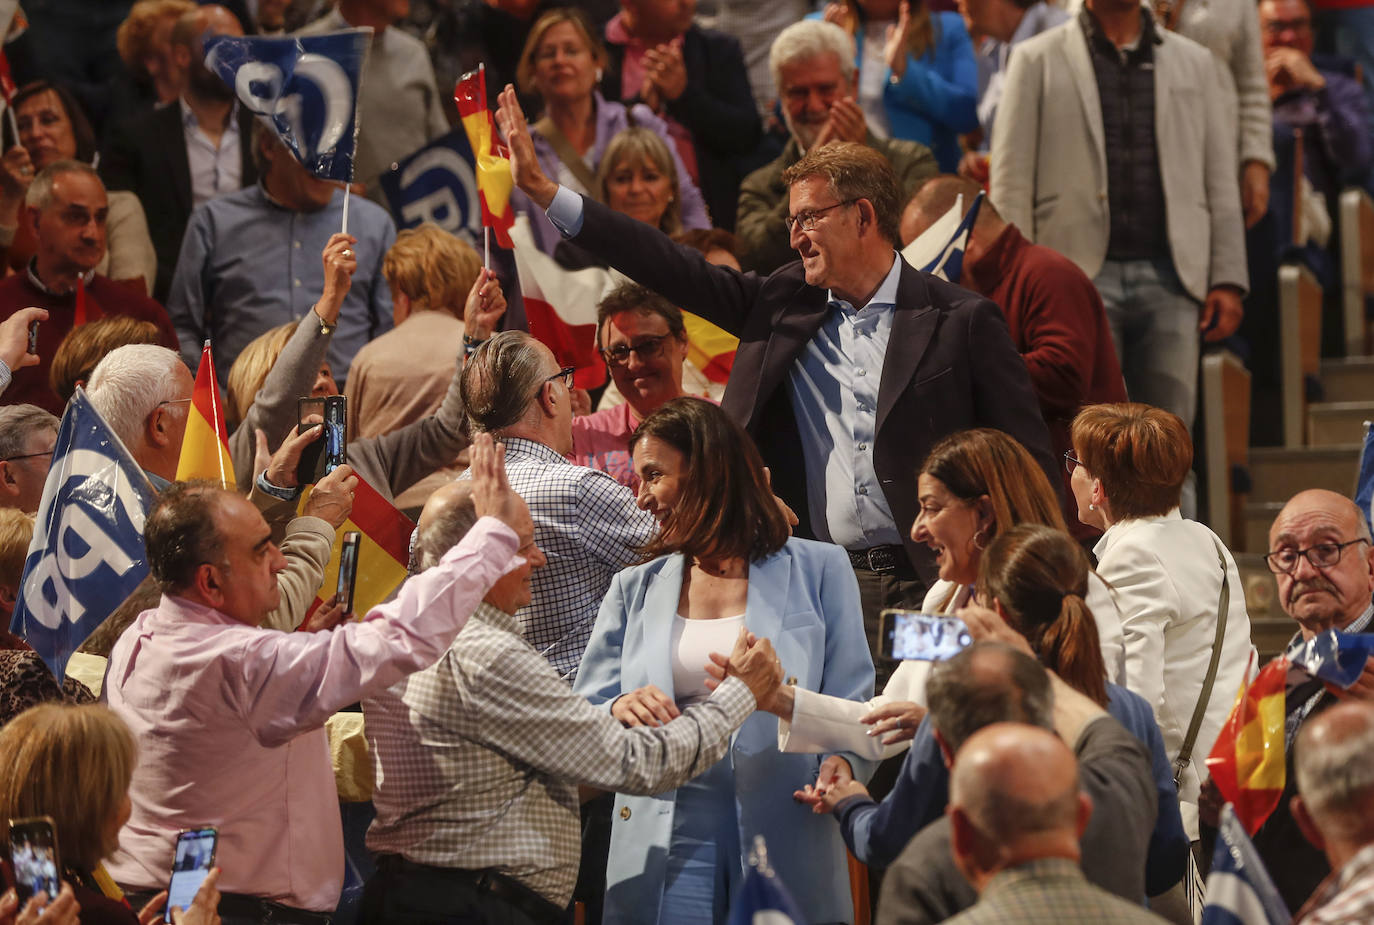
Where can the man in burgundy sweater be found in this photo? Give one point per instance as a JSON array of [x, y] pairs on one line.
[[66, 208], [1053, 310]]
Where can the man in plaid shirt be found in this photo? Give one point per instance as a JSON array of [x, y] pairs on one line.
[[479, 758], [586, 522]]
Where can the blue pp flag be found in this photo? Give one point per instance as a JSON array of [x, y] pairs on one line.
[[939, 250], [762, 899], [1239, 891], [87, 552], [438, 184], [305, 86], [1333, 656], [1364, 485]]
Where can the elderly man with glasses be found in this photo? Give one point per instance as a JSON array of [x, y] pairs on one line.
[[1320, 552]]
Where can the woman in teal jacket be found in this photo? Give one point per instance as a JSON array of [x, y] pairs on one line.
[[723, 559], [917, 78]]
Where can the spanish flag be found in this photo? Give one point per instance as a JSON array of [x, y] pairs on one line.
[[205, 448], [493, 159], [1247, 761], [709, 348], [383, 551]]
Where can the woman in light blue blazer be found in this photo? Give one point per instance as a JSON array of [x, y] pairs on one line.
[[723, 561]]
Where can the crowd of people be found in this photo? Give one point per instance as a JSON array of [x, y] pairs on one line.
[[642, 626]]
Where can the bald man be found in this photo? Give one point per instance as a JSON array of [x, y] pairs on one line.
[[1016, 815], [1335, 810], [1053, 312], [1320, 554]]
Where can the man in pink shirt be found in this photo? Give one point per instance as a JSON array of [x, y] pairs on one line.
[[643, 340], [230, 717]]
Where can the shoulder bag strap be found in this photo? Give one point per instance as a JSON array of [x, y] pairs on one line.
[[568, 155], [1185, 754]]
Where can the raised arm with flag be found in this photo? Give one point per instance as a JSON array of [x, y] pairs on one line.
[[494, 181]]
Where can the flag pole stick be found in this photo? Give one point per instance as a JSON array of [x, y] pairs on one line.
[[14, 120], [348, 191], [486, 248]]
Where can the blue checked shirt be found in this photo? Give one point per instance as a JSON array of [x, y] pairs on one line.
[[588, 526]]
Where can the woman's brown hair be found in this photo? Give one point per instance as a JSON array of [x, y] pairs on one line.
[[73, 763], [726, 509], [983, 461], [85, 346], [1141, 454], [1040, 577], [920, 28]]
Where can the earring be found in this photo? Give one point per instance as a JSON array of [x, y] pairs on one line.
[[980, 540], [598, 75], [1091, 506]]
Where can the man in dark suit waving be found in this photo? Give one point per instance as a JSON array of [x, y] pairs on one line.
[[851, 364]]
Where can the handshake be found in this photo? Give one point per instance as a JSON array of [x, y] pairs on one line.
[[752, 660]]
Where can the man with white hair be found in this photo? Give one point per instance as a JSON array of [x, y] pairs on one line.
[[813, 68], [143, 392], [1335, 810]]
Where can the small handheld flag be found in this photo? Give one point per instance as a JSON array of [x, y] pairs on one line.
[[494, 180], [1239, 889], [1247, 761], [305, 86], [205, 447], [939, 250], [762, 897], [1364, 485], [382, 554], [87, 552], [438, 184]]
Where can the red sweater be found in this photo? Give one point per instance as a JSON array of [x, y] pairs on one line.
[[103, 298], [1058, 323]]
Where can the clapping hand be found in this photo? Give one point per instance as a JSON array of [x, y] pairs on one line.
[[894, 49]]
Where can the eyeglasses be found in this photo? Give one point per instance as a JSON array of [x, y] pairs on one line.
[[174, 401], [1319, 556], [28, 456], [809, 217], [650, 348], [566, 374], [1280, 26], [1071, 462]]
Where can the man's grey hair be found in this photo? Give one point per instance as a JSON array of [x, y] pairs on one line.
[[501, 379], [17, 423], [1336, 776], [810, 38], [446, 529], [39, 195], [963, 697], [128, 385]]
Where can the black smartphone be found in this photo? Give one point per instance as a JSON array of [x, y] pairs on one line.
[[33, 853], [331, 450], [33, 337], [348, 569], [906, 634], [191, 864]]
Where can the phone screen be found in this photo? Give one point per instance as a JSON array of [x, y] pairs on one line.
[[927, 637], [194, 859], [348, 569], [33, 852]]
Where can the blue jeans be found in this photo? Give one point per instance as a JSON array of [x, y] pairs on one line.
[[1154, 323]]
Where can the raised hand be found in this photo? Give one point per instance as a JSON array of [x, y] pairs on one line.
[[524, 164], [485, 305], [492, 495], [846, 123], [340, 263], [14, 338], [280, 466]]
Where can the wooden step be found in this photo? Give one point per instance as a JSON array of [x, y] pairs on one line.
[[1259, 516], [1337, 423], [1270, 627], [1278, 473], [1348, 379]]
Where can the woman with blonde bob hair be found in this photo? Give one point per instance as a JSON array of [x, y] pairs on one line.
[[637, 177], [1187, 633], [74, 764]]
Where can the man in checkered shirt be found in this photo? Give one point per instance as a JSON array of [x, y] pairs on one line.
[[478, 759], [586, 523]]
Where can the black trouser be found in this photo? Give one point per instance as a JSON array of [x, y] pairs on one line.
[[237, 909], [404, 893]]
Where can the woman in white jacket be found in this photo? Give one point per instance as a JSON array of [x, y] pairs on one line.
[[1172, 577], [974, 486]]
